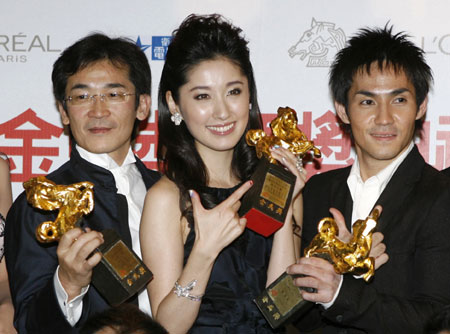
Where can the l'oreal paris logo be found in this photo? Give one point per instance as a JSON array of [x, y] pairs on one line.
[[15, 48]]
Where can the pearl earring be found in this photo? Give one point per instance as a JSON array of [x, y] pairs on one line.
[[176, 118]]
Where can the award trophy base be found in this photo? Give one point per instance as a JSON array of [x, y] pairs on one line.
[[282, 302], [266, 204], [120, 274]]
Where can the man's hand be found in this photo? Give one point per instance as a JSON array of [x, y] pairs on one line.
[[378, 250], [320, 275], [75, 262]]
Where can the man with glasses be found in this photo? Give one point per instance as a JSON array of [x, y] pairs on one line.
[[102, 89]]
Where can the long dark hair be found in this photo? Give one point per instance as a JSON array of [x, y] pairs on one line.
[[200, 38]]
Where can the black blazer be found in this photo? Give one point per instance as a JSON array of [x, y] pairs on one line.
[[31, 265], [415, 282], [446, 171]]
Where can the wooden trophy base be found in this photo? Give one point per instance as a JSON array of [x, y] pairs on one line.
[[120, 274], [267, 202], [281, 302]]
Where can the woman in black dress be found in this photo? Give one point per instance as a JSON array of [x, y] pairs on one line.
[[207, 267]]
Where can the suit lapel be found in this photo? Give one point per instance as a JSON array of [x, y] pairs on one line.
[[341, 197], [399, 188]]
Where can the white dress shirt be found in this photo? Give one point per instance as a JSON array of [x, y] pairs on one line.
[[129, 183], [366, 193]]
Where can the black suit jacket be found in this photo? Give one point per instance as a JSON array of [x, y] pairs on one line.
[[415, 282], [446, 171], [31, 265]]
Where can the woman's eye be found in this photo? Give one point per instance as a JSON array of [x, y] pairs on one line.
[[201, 96], [235, 91]]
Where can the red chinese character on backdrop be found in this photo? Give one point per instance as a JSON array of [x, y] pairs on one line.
[[147, 142], [331, 134], [443, 151], [330, 137], [14, 129], [424, 143]]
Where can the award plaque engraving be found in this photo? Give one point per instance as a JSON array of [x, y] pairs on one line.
[[120, 273], [266, 204], [282, 301]]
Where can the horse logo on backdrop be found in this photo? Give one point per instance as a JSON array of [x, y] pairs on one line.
[[320, 43]]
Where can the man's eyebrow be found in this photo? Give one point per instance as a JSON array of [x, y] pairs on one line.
[[109, 85], [79, 86], [365, 92], [375, 93], [115, 85]]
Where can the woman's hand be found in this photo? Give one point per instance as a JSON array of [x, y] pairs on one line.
[[218, 227], [290, 162]]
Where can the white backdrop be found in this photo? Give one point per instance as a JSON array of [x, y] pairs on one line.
[[32, 35]]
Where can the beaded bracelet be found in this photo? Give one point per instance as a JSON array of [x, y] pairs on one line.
[[184, 291]]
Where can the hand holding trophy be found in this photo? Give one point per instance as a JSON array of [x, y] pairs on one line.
[[266, 204], [282, 300], [120, 273]]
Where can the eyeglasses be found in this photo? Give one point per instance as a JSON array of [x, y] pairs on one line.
[[87, 99]]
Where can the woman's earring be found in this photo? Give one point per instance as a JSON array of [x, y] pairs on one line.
[[176, 118], [250, 106]]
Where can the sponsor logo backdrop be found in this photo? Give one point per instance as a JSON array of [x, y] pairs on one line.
[[292, 43]]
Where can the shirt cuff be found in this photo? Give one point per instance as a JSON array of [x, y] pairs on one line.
[[71, 309], [326, 306]]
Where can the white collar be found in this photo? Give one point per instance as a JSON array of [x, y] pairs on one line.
[[104, 160], [383, 176]]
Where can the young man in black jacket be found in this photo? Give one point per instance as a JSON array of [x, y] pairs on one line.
[[380, 83]]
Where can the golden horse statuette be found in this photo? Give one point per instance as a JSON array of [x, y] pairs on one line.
[[282, 300], [285, 134], [73, 201], [352, 256]]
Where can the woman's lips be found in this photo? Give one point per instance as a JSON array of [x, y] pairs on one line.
[[222, 129]]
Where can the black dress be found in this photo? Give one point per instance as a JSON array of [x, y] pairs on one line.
[[238, 276]]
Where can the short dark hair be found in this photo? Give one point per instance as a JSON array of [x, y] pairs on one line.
[[124, 319], [121, 52], [379, 46], [201, 38]]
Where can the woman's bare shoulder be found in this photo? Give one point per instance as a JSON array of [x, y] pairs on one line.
[[163, 198], [164, 189]]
